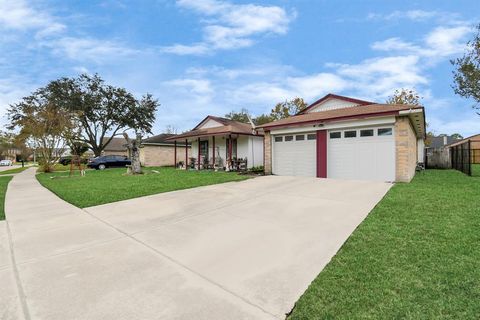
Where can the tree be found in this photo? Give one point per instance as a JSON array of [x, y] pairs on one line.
[[262, 119], [100, 109], [242, 116], [405, 96], [40, 119], [287, 108], [466, 76], [457, 136], [169, 129], [141, 125]]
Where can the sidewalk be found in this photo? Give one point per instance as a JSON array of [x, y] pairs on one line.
[[73, 266]]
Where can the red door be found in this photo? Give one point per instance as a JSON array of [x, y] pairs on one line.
[[321, 153]]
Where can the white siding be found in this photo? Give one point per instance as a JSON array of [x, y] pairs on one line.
[[331, 104], [210, 123]]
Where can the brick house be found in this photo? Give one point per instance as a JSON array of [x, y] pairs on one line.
[[157, 151], [345, 138]]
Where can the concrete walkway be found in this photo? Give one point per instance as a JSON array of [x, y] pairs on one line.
[[242, 250]]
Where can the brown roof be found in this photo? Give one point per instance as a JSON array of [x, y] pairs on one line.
[[361, 111], [474, 138], [116, 144], [161, 139], [228, 127]]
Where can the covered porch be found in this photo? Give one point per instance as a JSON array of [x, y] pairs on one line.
[[220, 144], [229, 152]]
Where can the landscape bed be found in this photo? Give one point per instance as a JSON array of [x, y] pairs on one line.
[[414, 257], [3, 190], [110, 185]]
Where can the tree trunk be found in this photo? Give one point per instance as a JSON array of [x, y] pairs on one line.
[[133, 147]]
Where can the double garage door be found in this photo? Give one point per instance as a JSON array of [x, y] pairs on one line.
[[357, 153]]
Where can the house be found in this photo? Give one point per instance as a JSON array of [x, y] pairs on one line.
[[222, 143], [157, 151], [117, 147], [346, 138], [474, 142], [441, 141]]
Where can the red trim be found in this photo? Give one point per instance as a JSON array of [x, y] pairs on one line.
[[335, 96], [369, 115], [321, 153]]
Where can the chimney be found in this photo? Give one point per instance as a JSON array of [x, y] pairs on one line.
[[444, 140]]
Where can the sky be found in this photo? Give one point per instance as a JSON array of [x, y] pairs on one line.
[[201, 57]]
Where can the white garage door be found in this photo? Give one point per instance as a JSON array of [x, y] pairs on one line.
[[295, 155], [361, 154]]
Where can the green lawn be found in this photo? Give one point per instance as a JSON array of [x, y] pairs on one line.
[[99, 187], [476, 170], [14, 170], [3, 189], [416, 256]]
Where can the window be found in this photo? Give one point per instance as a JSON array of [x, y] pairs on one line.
[[385, 132], [366, 133], [288, 138], [335, 135], [300, 137], [278, 139], [350, 134], [311, 136]]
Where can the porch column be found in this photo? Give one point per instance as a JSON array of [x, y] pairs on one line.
[[213, 151], [175, 153], [186, 154], [198, 160], [230, 150]]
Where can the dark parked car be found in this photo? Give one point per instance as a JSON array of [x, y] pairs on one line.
[[66, 160], [103, 162]]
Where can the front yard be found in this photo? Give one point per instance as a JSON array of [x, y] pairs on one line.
[[3, 190], [416, 256], [99, 187]]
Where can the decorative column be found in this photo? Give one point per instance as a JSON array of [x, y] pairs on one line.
[[175, 154], [186, 154], [198, 160], [213, 151]]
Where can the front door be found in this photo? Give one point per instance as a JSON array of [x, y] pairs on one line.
[[204, 150]]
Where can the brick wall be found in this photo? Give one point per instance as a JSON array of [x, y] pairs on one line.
[[405, 150], [157, 156], [267, 150]]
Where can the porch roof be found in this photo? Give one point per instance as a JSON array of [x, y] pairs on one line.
[[233, 127]]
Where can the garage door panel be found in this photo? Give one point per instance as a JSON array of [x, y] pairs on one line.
[[294, 158], [362, 158]]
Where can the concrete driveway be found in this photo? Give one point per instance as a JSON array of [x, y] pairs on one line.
[[241, 250]]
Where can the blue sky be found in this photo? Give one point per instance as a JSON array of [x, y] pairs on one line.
[[202, 57]]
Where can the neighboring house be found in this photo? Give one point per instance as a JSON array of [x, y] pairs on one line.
[[220, 143], [345, 138], [117, 146], [157, 151], [441, 141], [474, 147]]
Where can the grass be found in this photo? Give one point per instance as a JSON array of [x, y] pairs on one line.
[[3, 190], [416, 256], [476, 170], [61, 167], [14, 170], [99, 187]]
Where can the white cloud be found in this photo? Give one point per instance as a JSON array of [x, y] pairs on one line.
[[89, 49], [441, 42], [232, 26], [197, 86], [416, 15], [19, 15]]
